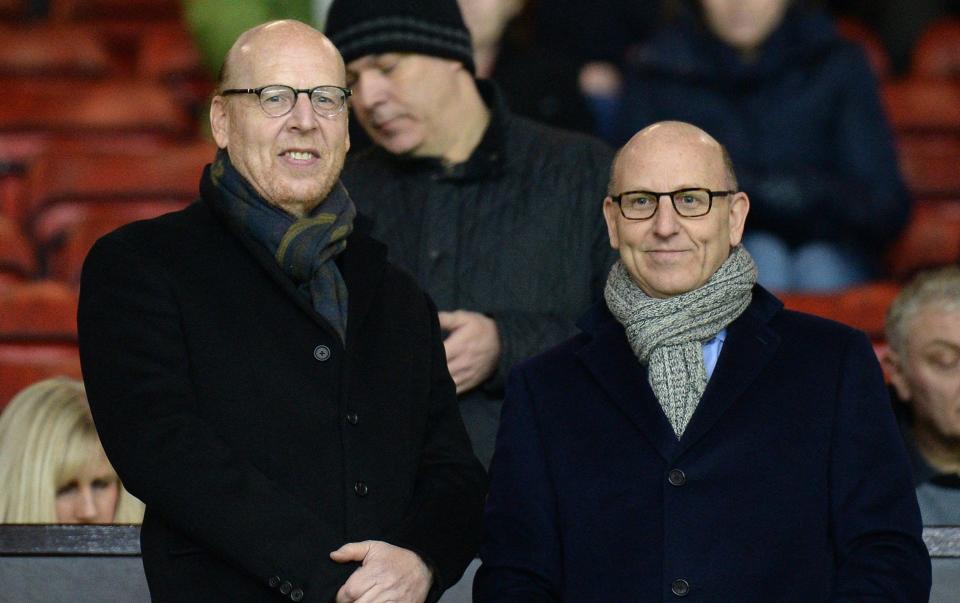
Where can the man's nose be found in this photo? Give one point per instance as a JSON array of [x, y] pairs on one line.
[[302, 115], [666, 222]]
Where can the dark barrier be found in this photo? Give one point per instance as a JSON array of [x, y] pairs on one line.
[[80, 564]]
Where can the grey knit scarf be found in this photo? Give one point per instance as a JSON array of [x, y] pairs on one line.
[[668, 334]]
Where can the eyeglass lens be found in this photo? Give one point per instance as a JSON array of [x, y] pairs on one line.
[[688, 203], [327, 101]]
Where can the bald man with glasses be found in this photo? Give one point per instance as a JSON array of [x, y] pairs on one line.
[[264, 380], [696, 439]]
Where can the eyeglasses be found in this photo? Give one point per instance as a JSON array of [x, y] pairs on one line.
[[278, 100], [687, 202]]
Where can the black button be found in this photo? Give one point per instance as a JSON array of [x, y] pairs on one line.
[[361, 489], [321, 353], [286, 587], [353, 418], [296, 594], [676, 477], [274, 581], [680, 587]]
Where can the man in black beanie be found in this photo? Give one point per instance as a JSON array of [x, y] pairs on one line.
[[497, 217]]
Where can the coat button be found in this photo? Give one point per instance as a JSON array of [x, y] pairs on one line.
[[680, 587], [361, 490], [321, 353], [353, 418], [296, 594], [274, 581], [676, 477], [286, 587]]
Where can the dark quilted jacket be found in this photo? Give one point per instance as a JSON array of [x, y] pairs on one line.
[[515, 232]]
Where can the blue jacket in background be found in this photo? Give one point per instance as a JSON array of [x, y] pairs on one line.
[[803, 124]]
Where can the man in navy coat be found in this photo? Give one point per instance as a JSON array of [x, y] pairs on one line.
[[264, 380], [697, 439]]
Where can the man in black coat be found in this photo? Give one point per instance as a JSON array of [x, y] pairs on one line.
[[262, 378], [497, 217]]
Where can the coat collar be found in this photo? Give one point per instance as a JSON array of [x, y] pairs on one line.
[[362, 265], [749, 346]]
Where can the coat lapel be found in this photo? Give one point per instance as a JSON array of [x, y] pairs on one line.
[[749, 347], [611, 361], [362, 265], [362, 270]]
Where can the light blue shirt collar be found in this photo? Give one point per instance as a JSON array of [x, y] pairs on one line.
[[711, 351]]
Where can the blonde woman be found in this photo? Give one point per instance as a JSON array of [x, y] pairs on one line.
[[52, 466]]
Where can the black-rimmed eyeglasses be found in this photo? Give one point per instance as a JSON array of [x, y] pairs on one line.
[[277, 100], [687, 202]]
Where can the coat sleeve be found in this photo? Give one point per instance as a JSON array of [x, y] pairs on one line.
[[524, 334], [521, 543], [874, 514], [443, 525], [136, 367]]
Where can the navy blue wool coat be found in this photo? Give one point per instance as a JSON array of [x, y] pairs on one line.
[[790, 483]]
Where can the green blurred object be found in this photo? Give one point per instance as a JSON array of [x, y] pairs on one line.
[[216, 24]]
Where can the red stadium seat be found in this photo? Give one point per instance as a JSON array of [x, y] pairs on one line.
[[61, 183], [64, 257], [38, 333], [111, 106], [23, 363], [863, 307], [168, 50], [169, 55], [937, 53], [931, 164], [18, 262], [39, 311], [857, 32], [932, 238], [12, 9], [923, 105], [54, 50], [114, 9]]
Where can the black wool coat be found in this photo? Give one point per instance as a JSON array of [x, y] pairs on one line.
[[257, 439]]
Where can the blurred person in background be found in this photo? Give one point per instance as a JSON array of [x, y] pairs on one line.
[[496, 216], [923, 362], [52, 466], [799, 111], [537, 83]]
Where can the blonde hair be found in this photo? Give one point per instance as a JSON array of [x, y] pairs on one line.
[[47, 437]]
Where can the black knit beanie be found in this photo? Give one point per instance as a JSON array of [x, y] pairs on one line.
[[434, 27]]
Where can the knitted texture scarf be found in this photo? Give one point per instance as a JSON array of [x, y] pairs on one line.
[[668, 334], [304, 248]]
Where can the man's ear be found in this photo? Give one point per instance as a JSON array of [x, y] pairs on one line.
[[610, 212], [739, 208], [219, 121], [893, 365]]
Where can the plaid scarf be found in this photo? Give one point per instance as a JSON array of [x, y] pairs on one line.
[[668, 334], [304, 248]]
